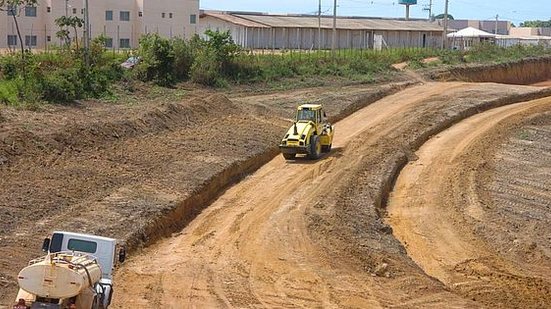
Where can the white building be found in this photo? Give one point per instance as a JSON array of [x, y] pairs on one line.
[[267, 31], [123, 22]]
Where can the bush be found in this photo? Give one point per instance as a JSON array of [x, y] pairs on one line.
[[10, 66], [61, 86], [157, 60], [205, 69], [184, 56], [9, 92]]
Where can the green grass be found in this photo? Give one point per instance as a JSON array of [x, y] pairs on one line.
[[61, 76], [9, 92]]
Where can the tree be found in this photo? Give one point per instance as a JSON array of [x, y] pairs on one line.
[[13, 7], [536, 23], [441, 16], [63, 34], [69, 21], [223, 46]]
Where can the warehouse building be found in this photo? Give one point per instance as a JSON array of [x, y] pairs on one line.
[[267, 31]]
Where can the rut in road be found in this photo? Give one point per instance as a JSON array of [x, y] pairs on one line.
[[252, 248], [436, 196]]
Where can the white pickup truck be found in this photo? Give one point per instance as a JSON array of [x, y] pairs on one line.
[[76, 272]]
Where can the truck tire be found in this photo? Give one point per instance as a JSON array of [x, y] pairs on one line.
[[315, 148], [326, 148], [289, 156], [96, 303]]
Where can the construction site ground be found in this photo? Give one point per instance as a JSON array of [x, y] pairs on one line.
[[215, 218]]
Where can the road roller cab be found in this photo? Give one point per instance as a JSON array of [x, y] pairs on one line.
[[78, 269], [310, 134]]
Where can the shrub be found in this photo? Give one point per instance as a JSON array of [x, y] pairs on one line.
[[9, 92], [184, 56], [157, 60], [205, 69], [61, 86], [9, 65]]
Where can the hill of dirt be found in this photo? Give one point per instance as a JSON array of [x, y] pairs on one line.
[[136, 172]]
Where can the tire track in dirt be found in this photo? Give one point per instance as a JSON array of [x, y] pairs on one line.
[[253, 246], [435, 195]]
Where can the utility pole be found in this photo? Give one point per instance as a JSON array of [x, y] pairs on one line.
[[429, 9], [86, 33], [497, 17], [319, 26], [334, 40], [445, 35], [66, 8]]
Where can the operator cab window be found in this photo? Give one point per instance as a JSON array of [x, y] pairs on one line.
[[82, 245], [306, 114]]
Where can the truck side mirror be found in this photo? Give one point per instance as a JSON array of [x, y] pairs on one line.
[[46, 245], [122, 255], [324, 114]]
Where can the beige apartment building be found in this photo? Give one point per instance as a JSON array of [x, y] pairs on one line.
[[123, 22]]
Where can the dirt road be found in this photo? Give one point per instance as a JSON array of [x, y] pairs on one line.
[[439, 212], [251, 247]]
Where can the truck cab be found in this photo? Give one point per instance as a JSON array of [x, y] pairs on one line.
[[100, 254], [103, 248]]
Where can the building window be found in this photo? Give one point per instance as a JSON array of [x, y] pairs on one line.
[[12, 10], [140, 14], [30, 40], [108, 15], [163, 15], [108, 42], [12, 40], [49, 9], [124, 15], [74, 10], [124, 43], [169, 15], [192, 19], [49, 38], [30, 11], [82, 11]]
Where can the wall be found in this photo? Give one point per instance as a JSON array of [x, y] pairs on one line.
[[151, 20], [503, 26], [308, 38], [523, 72], [529, 31]]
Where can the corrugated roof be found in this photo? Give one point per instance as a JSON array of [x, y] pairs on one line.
[[282, 21], [234, 20]]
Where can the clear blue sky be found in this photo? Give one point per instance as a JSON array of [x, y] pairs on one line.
[[514, 10]]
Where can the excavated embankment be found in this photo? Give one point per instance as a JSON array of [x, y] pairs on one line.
[[134, 173], [141, 174], [522, 72], [349, 222], [474, 216]]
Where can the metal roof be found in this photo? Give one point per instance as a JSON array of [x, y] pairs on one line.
[[234, 20], [471, 32], [344, 23]]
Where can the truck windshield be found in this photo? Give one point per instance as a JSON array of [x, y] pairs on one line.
[[306, 114]]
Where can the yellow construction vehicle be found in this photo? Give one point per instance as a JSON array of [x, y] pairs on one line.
[[310, 134]]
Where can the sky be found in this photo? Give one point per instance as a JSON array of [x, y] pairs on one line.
[[516, 11]]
